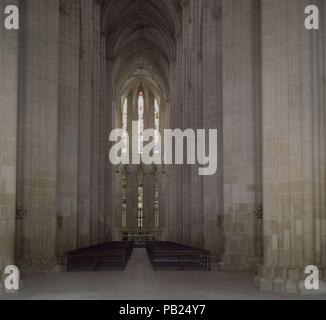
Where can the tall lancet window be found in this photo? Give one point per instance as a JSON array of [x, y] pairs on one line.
[[140, 215], [157, 128], [141, 108], [125, 126]]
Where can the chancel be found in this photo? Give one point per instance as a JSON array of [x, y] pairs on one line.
[[246, 71]]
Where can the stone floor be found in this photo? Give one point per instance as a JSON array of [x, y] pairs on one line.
[[140, 282]]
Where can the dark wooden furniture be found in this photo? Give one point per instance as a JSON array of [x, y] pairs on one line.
[[107, 255], [177, 255]]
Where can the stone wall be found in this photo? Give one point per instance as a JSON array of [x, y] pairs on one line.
[[69, 70], [59, 135], [85, 124], [212, 104], [194, 204], [241, 134], [80, 219], [8, 138], [38, 134], [294, 144]]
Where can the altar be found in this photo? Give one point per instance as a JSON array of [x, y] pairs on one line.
[[140, 238]]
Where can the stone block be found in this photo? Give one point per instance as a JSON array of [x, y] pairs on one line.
[[257, 282], [279, 285], [291, 287], [266, 284]]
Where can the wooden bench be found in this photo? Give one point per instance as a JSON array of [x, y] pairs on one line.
[[111, 254], [177, 255]]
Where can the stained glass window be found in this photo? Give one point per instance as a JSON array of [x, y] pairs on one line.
[[125, 126], [140, 206], [141, 108], [157, 127]]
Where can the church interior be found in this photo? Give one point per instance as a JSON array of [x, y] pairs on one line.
[[78, 69]]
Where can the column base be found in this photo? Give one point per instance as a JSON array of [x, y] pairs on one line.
[[279, 285], [284, 280]]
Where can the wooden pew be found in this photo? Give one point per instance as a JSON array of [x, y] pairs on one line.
[[111, 254], [182, 256]]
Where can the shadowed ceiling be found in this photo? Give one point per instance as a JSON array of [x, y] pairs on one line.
[[141, 41]]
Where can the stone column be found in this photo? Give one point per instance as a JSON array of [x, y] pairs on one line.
[[95, 144], [114, 175], [173, 174], [39, 133], [85, 124], [241, 134], [294, 71], [67, 199], [106, 170], [192, 117], [8, 138], [80, 218], [149, 221], [213, 119]]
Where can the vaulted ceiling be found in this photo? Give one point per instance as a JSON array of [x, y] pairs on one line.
[[141, 40]]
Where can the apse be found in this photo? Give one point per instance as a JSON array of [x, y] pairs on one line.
[[140, 43]]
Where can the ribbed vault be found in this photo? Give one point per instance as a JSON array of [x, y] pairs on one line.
[[141, 43]]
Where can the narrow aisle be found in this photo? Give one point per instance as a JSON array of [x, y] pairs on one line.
[[139, 262]]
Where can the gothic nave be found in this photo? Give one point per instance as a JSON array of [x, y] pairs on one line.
[[78, 69]]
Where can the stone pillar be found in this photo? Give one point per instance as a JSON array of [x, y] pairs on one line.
[[38, 134], [213, 119], [192, 117], [105, 168], [85, 124], [294, 71], [8, 138], [173, 174], [241, 134], [80, 216], [149, 185], [108, 111], [95, 144], [67, 199]]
